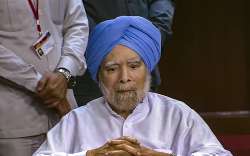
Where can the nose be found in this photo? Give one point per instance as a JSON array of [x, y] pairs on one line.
[[124, 76]]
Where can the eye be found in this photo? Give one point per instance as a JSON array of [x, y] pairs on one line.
[[134, 65], [111, 69]]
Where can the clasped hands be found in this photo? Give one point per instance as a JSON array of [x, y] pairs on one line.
[[52, 89], [124, 146]]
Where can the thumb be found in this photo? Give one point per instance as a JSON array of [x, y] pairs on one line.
[[42, 83]]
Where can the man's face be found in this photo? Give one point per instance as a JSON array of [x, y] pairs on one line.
[[123, 79]]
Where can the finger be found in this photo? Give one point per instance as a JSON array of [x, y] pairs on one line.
[[50, 79], [42, 83], [55, 87], [104, 147], [122, 141], [44, 88], [102, 150], [117, 142], [130, 139], [117, 153], [45, 94], [50, 91], [129, 149]]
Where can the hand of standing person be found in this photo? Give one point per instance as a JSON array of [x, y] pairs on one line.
[[52, 89]]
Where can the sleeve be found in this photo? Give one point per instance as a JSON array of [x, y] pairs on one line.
[[161, 13], [92, 23], [75, 38], [61, 139], [200, 138], [13, 69]]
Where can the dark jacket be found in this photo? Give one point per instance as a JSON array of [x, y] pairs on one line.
[[159, 12]]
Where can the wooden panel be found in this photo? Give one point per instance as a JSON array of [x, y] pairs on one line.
[[228, 123], [207, 62], [247, 17], [207, 65]]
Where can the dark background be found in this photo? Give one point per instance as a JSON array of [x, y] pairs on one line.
[[207, 63]]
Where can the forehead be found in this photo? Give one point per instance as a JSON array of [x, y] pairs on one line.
[[121, 53]]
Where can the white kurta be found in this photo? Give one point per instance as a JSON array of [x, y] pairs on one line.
[[159, 122]]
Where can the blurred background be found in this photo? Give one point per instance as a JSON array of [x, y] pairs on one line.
[[207, 65]]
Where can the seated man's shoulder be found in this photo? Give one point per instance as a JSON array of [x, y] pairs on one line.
[[168, 102]]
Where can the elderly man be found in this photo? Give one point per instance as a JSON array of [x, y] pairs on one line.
[[129, 120]]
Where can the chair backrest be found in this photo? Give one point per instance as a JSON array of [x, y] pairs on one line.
[[232, 129]]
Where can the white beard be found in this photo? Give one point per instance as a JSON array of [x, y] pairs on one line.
[[125, 101]]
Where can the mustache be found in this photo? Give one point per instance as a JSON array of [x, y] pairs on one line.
[[123, 88]]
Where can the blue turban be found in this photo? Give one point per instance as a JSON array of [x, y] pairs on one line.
[[134, 32]]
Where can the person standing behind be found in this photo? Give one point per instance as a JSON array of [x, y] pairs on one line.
[[42, 46], [159, 12]]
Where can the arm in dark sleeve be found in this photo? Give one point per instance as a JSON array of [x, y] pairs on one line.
[[92, 23], [161, 14]]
